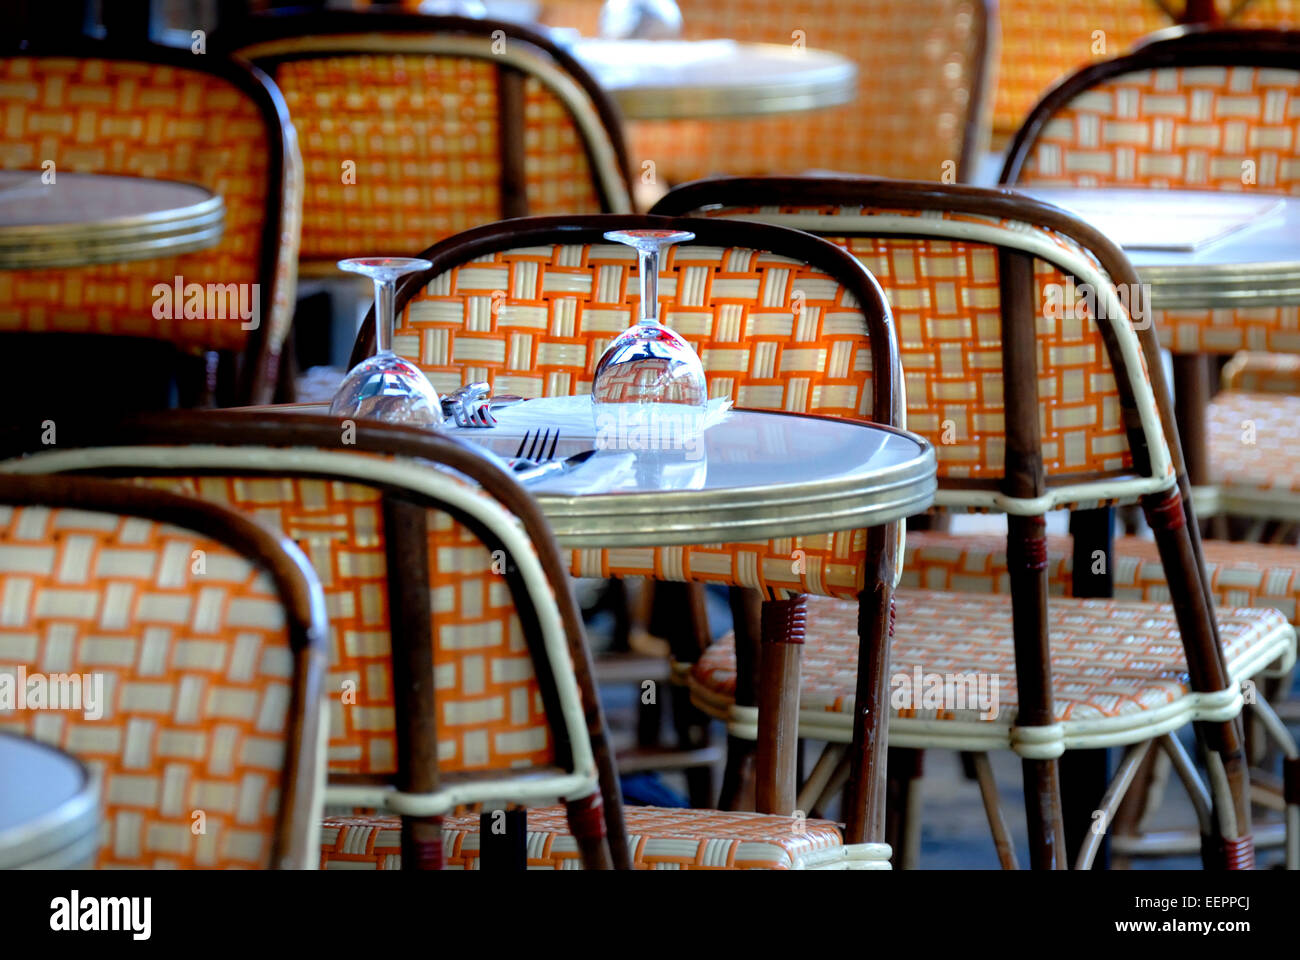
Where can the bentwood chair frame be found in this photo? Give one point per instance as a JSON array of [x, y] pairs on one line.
[[782, 612], [1174, 48], [295, 840], [515, 52], [1025, 492], [259, 360], [397, 461]]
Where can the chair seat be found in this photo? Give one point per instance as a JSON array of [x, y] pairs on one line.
[[1241, 574], [659, 838], [1119, 675], [1253, 462]]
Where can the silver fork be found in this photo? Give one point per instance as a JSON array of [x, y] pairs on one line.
[[533, 449]]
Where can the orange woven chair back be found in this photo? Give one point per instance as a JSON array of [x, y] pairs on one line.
[[1041, 42], [198, 645], [163, 114], [921, 108], [939, 262], [1199, 110], [530, 308], [416, 128]]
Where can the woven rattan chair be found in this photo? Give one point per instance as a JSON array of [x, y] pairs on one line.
[[503, 733], [415, 128], [530, 306], [208, 634], [922, 104], [1078, 416], [150, 111], [421, 572], [1211, 100]]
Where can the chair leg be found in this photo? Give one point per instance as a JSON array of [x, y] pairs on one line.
[[1002, 842], [739, 754], [1027, 563], [1231, 846], [864, 798], [784, 624], [586, 818], [903, 808]]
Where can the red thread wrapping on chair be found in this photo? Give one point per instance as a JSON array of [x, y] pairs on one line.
[[893, 615], [1165, 512], [426, 854], [586, 816], [1235, 854], [1291, 779], [785, 621], [1029, 552]]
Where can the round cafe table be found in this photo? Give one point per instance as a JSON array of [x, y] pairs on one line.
[[1255, 265], [83, 219], [49, 808], [754, 475], [701, 79]]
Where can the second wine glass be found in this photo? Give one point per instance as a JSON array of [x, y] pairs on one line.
[[649, 364]]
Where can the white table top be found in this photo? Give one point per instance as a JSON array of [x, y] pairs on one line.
[[86, 218], [1258, 265], [49, 807], [691, 79], [755, 474]]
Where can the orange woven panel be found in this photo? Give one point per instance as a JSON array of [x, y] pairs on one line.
[[659, 838], [1042, 42], [102, 116], [946, 303], [1241, 574], [916, 64], [1193, 128], [402, 151], [1196, 128], [1251, 442], [1261, 13], [188, 641], [490, 713], [1109, 658]]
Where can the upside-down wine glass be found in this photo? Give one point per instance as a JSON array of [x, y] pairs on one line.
[[385, 386], [649, 366]]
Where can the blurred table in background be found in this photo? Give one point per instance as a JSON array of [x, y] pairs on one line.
[[81, 219]]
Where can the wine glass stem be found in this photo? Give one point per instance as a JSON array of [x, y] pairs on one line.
[[384, 319], [649, 267]]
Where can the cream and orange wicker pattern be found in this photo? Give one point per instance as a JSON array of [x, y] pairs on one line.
[[916, 66], [490, 715], [659, 838], [164, 122], [1254, 372], [1119, 670], [190, 643], [1194, 128], [1241, 574], [1043, 42], [1251, 441], [402, 150], [946, 303], [773, 333]]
